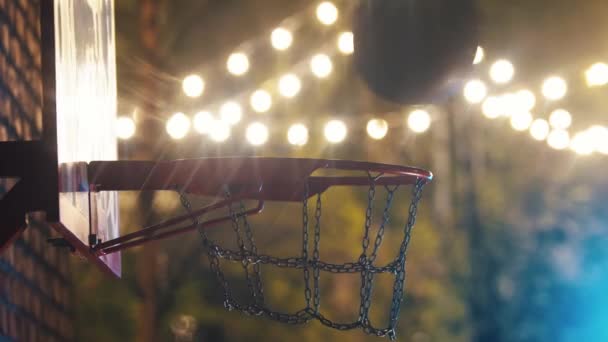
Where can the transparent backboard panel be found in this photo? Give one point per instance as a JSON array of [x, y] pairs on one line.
[[86, 116]]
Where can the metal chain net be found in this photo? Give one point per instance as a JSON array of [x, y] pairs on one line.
[[311, 265]]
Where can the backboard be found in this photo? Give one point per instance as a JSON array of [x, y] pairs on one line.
[[85, 68]]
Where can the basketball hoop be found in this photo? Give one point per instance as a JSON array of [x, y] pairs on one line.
[[264, 179]]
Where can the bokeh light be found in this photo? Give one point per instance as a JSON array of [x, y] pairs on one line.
[[220, 131], [558, 139], [526, 100], [521, 121], [335, 131], [193, 85], [178, 126], [231, 113], [554, 88], [297, 135], [289, 85], [597, 75], [502, 71], [419, 121], [377, 128], [203, 121], [346, 43], [281, 39], [479, 55], [125, 127], [560, 119], [599, 135], [257, 134], [238, 64], [582, 143], [492, 107], [475, 91], [321, 65], [327, 13], [261, 101], [539, 130]]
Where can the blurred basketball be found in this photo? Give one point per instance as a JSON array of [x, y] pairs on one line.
[[410, 51]]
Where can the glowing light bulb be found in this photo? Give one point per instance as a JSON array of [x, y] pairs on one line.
[[558, 139], [597, 75], [257, 134], [554, 88], [178, 126], [560, 119], [125, 128], [289, 85], [238, 64], [539, 130], [335, 131], [479, 55], [193, 85], [231, 113], [475, 91], [419, 121], [502, 71], [377, 128], [521, 121], [492, 107], [321, 65], [525, 100], [220, 131], [297, 135], [281, 39], [203, 122], [582, 143], [346, 44], [261, 101], [327, 13]]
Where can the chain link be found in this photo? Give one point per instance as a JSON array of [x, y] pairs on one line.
[[251, 260]]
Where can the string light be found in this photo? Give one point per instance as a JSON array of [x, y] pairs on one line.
[[297, 135], [261, 101], [335, 131], [125, 128], [346, 44], [479, 55], [521, 121], [419, 121], [558, 139], [597, 75], [327, 13], [193, 85], [475, 91], [554, 88], [219, 131], [178, 126], [502, 71], [281, 39], [203, 122], [231, 113], [321, 65], [539, 130], [560, 119], [492, 107], [238, 64], [289, 85], [582, 144], [377, 128], [257, 134]]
